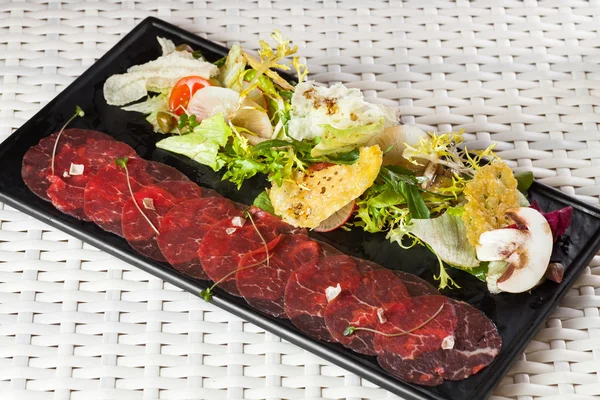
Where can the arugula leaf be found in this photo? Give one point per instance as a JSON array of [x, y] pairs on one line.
[[349, 157], [263, 202], [416, 204], [406, 186]]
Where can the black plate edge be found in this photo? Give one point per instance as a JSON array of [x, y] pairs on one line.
[[319, 348]]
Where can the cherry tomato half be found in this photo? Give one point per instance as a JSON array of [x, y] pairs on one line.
[[183, 91]]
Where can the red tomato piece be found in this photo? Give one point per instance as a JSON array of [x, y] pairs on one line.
[[183, 91]]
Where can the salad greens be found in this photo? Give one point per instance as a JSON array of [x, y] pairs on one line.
[[308, 126]]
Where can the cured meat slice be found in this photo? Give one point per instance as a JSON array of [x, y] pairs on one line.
[[106, 193], [476, 344], [184, 227], [37, 161], [415, 285], [365, 266], [155, 201], [305, 293], [263, 284], [162, 172], [362, 307], [66, 191], [229, 239], [426, 324]]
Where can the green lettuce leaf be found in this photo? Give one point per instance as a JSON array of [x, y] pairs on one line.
[[263, 201], [446, 236], [203, 143], [234, 66], [154, 76], [336, 140]]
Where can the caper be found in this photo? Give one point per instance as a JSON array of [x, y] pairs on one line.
[[165, 121], [184, 47]]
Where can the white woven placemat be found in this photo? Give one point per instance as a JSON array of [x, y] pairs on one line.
[[76, 323]]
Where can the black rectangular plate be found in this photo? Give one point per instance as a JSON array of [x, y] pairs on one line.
[[518, 317]]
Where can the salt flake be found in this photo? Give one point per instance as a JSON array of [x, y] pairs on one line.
[[229, 231], [148, 203], [448, 343], [332, 292], [76, 169], [238, 221], [381, 316]]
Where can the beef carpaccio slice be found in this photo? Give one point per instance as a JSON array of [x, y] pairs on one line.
[[415, 285], [37, 161], [230, 239], [184, 227], [162, 172], [305, 292], [160, 198], [66, 191], [476, 344], [262, 283], [106, 193], [425, 324], [361, 307]]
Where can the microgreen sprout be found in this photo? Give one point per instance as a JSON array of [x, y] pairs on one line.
[[78, 113], [122, 162], [206, 294], [350, 330]]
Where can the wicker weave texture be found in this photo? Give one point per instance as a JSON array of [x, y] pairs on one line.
[[76, 323]]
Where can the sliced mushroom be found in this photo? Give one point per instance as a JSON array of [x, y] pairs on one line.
[[394, 139], [252, 117], [527, 250]]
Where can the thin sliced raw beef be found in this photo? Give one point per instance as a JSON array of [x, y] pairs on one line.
[[361, 307], [408, 357], [106, 193], [37, 161], [305, 292], [140, 235], [228, 240], [476, 344], [262, 283], [365, 266], [66, 191], [162, 172], [415, 285], [184, 227]]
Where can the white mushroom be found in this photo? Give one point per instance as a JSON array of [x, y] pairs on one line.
[[527, 250]]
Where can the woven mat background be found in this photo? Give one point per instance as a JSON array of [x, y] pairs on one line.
[[78, 324]]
